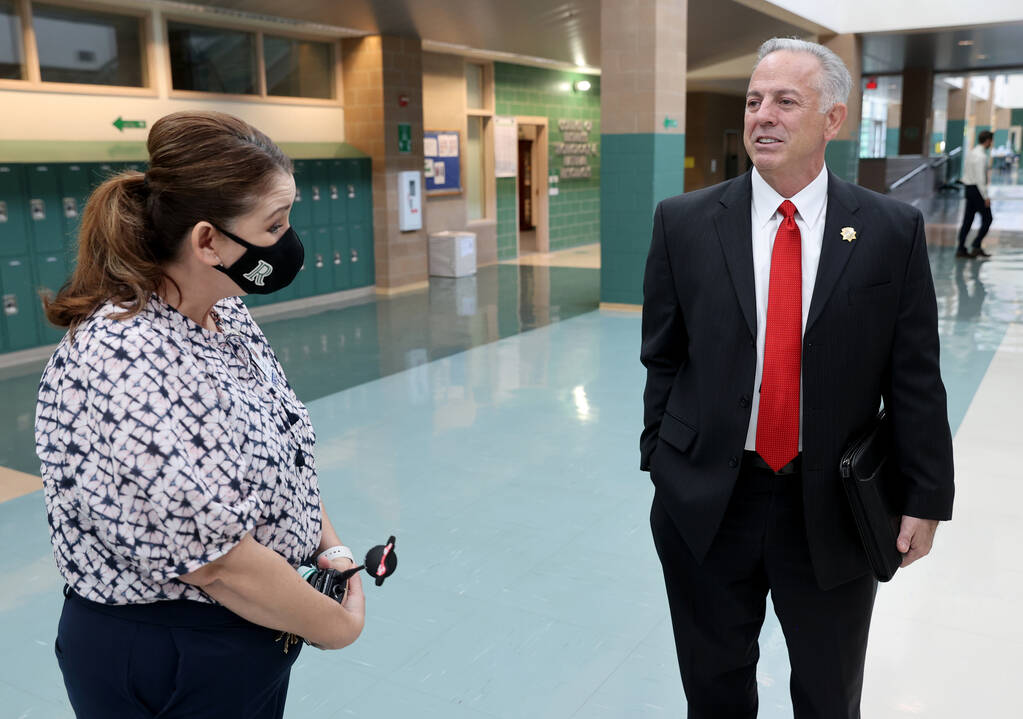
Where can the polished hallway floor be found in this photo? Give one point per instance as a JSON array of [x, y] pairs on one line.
[[492, 424]]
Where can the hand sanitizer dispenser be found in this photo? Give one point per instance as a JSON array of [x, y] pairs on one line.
[[410, 201]]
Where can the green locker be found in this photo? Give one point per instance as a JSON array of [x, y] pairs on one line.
[[13, 210], [360, 223], [340, 259], [74, 193], [51, 273], [305, 283], [301, 211], [337, 191], [254, 300], [360, 190], [322, 261], [19, 303], [44, 207], [319, 192], [100, 172]]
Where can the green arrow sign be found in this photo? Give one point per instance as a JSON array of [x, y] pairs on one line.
[[121, 124]]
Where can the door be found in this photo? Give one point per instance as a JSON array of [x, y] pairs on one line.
[[526, 185]]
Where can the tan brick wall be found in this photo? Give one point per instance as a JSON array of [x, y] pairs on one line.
[[847, 47], [377, 70], [643, 65]]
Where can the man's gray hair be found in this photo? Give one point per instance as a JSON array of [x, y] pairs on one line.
[[834, 83]]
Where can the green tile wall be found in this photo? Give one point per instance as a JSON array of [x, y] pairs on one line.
[[956, 131], [506, 213], [891, 142], [575, 211], [639, 171], [843, 158]]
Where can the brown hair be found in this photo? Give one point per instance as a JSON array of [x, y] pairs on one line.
[[202, 166]]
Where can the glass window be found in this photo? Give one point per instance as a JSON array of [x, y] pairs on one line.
[[87, 47], [297, 68], [474, 169], [11, 55], [211, 59], [474, 86]]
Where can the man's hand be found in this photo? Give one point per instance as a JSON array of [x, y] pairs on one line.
[[987, 202], [915, 538]]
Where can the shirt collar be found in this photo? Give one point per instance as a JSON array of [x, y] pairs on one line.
[[809, 201]]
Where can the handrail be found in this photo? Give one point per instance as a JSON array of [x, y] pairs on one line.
[[909, 176], [920, 168]]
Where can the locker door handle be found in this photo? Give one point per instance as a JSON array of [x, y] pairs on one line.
[[333, 192], [319, 262], [337, 258], [70, 208], [355, 256], [351, 192], [10, 305], [316, 193], [3, 212], [298, 194], [37, 208]]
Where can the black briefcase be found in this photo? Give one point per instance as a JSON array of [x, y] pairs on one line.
[[872, 487]]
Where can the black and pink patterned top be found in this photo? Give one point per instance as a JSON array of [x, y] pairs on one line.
[[162, 443]]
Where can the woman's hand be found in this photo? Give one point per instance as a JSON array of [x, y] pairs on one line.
[[355, 600]]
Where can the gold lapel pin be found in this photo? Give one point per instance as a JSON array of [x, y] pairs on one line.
[[848, 234]]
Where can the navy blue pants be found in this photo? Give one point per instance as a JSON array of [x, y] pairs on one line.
[[169, 660], [974, 205]]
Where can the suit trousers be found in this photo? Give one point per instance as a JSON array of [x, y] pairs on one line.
[[718, 607], [974, 204], [169, 660]]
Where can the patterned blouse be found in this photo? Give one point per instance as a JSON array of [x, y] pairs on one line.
[[162, 444]]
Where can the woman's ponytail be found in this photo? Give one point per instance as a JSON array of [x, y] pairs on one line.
[[114, 262]]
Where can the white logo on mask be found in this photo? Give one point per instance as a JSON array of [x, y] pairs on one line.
[[259, 273]]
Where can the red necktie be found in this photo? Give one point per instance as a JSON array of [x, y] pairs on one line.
[[778, 418]]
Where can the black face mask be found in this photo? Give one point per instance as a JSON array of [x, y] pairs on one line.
[[262, 270]]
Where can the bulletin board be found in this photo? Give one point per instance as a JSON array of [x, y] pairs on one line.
[[441, 153]]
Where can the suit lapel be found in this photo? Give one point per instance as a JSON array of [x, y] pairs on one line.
[[734, 228], [835, 251]]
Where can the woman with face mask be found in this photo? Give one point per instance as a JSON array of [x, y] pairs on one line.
[[177, 462]]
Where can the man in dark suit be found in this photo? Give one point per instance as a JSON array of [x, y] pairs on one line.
[[779, 309]]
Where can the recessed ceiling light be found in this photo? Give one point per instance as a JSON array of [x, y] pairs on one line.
[[965, 43], [983, 57]]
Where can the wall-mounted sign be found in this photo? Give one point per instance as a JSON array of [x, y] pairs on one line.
[[506, 147], [404, 138], [131, 124], [403, 100], [575, 149], [670, 122]]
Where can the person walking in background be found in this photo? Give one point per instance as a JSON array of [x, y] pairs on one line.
[[779, 308], [177, 463], [975, 178]]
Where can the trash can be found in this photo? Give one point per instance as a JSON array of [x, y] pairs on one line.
[[452, 254]]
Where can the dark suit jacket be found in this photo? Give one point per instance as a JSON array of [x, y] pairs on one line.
[[871, 334]]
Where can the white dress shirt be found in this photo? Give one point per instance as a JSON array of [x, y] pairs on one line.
[[975, 169], [811, 210]]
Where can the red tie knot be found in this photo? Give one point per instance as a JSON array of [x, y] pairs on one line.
[[787, 209]]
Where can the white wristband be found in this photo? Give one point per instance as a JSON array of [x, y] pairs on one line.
[[336, 551]]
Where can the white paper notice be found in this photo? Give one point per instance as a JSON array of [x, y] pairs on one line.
[[430, 146], [506, 147], [448, 145], [438, 172], [428, 168]]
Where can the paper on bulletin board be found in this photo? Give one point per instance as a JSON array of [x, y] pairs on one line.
[[430, 146], [447, 145], [438, 172], [506, 147], [428, 167]]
